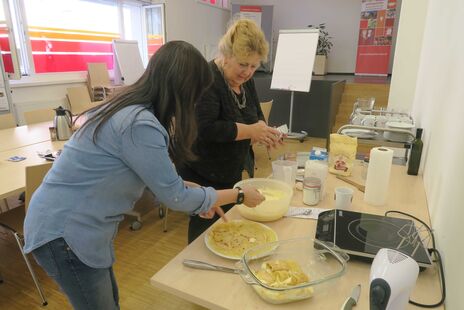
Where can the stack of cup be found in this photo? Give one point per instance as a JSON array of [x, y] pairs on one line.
[[343, 197], [285, 170]]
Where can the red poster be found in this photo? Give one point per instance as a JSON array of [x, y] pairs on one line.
[[375, 37]]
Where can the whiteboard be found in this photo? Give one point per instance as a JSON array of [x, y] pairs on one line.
[[128, 66], [293, 65]]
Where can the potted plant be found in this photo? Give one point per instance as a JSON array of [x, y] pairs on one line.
[[324, 46]]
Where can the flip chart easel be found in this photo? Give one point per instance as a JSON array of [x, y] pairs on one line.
[[128, 66], [293, 65]]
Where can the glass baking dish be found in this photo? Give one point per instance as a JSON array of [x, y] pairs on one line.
[[291, 270]]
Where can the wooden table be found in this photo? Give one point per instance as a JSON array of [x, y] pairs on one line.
[[217, 290], [16, 137], [13, 178]]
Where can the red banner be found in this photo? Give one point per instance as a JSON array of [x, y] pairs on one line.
[[375, 37]]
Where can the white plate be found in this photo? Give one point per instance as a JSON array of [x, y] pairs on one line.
[[397, 137], [360, 133], [399, 125], [211, 248]]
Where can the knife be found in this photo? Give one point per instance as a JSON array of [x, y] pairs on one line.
[[207, 266], [353, 299]]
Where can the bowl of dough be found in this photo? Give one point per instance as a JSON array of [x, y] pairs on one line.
[[292, 270], [278, 195]]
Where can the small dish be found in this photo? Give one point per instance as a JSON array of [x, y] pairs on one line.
[[359, 133], [401, 137], [399, 125]]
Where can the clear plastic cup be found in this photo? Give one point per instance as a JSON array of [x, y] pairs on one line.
[[285, 170]]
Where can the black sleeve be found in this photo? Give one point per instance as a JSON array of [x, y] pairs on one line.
[[210, 127]]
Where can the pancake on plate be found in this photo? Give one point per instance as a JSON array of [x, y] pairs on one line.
[[232, 239]]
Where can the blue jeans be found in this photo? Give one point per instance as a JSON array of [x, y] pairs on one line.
[[86, 288]]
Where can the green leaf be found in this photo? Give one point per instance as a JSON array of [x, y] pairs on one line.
[[324, 44]]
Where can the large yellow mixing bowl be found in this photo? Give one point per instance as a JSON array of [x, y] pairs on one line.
[[278, 196]]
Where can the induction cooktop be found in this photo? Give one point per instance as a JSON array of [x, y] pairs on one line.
[[362, 235]]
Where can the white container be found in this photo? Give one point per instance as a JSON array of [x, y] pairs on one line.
[[285, 170], [318, 169], [343, 197], [378, 176], [311, 191]]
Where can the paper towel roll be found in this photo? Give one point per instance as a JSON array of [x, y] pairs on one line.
[[378, 176]]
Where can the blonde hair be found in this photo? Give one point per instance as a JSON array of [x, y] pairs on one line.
[[243, 38]]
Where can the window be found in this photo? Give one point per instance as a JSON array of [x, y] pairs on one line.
[[7, 40], [154, 22], [4, 43], [65, 35]]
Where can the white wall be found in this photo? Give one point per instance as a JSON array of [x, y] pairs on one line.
[[407, 54], [341, 18], [42, 92], [196, 23], [438, 108]]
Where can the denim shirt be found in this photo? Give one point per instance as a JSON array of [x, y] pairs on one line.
[[88, 189]]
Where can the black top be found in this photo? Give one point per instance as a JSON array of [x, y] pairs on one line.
[[221, 159]]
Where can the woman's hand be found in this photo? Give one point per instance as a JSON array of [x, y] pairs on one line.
[[252, 196], [212, 211], [262, 133]]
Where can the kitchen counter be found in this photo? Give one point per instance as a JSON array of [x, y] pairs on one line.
[[217, 290]]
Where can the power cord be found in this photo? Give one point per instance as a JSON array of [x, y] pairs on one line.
[[438, 260]]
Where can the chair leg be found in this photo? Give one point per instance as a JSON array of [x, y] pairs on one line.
[[5, 200], [165, 220], [137, 224], [1, 279], [34, 277]]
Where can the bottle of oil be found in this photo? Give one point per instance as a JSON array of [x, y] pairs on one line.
[[416, 152]]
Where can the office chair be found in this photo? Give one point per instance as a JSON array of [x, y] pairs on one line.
[[39, 116], [34, 177], [79, 99], [266, 108], [148, 200], [7, 121]]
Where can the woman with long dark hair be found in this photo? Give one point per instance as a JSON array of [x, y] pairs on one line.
[[128, 143]]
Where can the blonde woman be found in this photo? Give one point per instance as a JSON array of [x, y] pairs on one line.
[[229, 116]]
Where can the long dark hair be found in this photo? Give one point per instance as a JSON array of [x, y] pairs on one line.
[[176, 77]]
